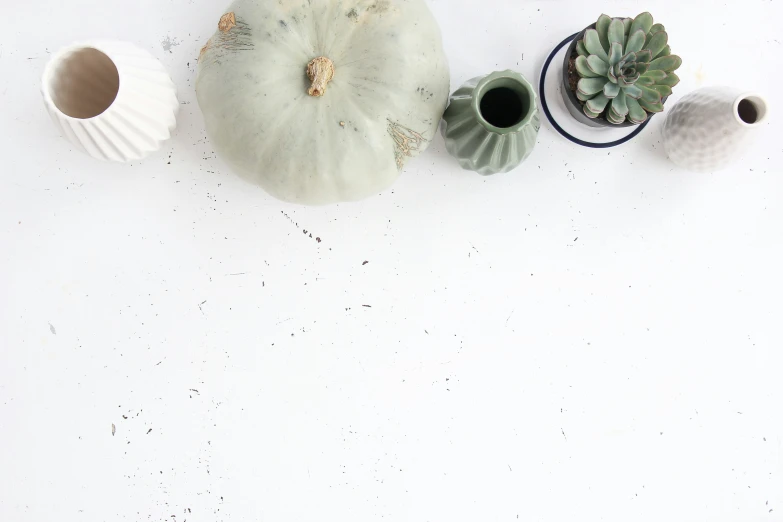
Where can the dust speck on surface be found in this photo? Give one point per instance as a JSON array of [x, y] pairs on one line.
[[51, 329], [113, 429], [169, 43], [364, 263]]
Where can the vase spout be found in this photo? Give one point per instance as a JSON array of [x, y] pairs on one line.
[[750, 109]]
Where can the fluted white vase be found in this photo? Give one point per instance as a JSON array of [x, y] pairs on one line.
[[112, 100], [709, 127]]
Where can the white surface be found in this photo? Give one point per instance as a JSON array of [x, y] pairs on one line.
[[506, 368]]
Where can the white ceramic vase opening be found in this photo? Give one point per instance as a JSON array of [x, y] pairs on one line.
[[85, 84], [112, 100], [750, 109]]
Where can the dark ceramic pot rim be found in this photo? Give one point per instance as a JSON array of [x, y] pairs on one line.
[[553, 121], [570, 98]]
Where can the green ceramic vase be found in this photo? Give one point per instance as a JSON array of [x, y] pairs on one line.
[[492, 122]]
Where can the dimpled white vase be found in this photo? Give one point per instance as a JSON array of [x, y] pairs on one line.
[[112, 100], [707, 128]]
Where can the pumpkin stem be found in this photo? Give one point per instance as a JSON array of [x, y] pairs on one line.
[[227, 22], [320, 71]]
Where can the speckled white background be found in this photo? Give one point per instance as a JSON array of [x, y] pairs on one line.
[[594, 336]]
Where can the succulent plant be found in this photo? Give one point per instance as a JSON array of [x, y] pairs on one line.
[[626, 68]]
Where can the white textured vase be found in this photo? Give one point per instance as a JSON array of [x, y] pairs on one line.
[[709, 127], [113, 100]]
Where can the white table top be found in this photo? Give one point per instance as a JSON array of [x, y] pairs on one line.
[[594, 336]]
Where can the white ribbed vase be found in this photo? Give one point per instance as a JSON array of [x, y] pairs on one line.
[[709, 127], [112, 100]]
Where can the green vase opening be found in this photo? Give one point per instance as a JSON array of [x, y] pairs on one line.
[[503, 103], [492, 122]]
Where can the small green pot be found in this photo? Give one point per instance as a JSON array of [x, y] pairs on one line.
[[492, 122]]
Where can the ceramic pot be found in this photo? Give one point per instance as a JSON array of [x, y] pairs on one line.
[[707, 128], [112, 100], [492, 122], [573, 104]]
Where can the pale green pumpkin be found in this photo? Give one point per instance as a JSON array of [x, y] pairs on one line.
[[320, 101]]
